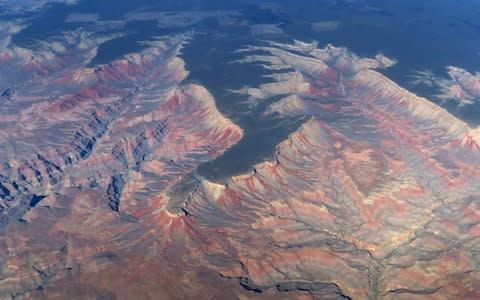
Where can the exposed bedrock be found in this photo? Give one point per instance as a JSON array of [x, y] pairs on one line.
[[114, 192], [376, 196], [310, 218], [90, 155], [119, 118], [380, 200]]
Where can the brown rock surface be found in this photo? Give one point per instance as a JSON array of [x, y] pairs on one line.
[[375, 196], [92, 156]]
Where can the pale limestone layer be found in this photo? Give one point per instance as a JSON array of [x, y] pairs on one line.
[[91, 158], [375, 197]]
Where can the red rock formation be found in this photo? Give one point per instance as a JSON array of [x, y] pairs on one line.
[[92, 157], [376, 196]]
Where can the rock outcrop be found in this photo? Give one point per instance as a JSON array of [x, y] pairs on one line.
[[376, 196], [88, 157]]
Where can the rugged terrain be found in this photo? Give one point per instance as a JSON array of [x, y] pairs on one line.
[[375, 196]]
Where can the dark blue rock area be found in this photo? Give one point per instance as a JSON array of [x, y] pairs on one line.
[[9, 94], [36, 199], [114, 191]]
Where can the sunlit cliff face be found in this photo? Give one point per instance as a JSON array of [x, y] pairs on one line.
[[375, 196], [90, 155]]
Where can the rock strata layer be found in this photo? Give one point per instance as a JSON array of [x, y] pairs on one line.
[[375, 196]]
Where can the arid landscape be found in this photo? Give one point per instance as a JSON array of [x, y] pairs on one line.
[[376, 195]]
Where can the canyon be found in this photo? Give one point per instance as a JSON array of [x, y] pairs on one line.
[[375, 196]]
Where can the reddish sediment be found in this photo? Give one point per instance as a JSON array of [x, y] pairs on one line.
[[102, 148], [374, 197], [383, 196]]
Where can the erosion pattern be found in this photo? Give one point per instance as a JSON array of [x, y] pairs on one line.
[[88, 158], [111, 125], [462, 86], [376, 196]]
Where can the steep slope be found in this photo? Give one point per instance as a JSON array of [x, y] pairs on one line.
[[376, 196], [89, 157]]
